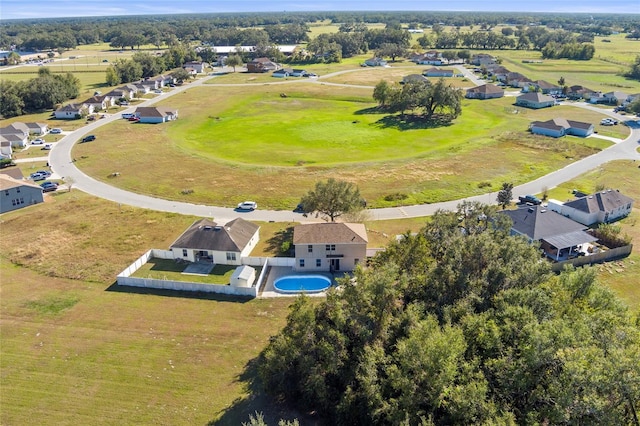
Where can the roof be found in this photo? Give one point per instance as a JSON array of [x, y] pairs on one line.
[[570, 239], [536, 97], [601, 201], [538, 223], [15, 128], [71, 107], [545, 84], [414, 78], [205, 234], [330, 233], [7, 182], [155, 111], [12, 172], [486, 88], [243, 272], [561, 123]]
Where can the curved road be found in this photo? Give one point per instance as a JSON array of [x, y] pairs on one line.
[[62, 164]]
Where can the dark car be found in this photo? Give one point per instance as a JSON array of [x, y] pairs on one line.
[[530, 199], [49, 186], [299, 209], [89, 138]]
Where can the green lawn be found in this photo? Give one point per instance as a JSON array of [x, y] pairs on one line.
[[166, 269]]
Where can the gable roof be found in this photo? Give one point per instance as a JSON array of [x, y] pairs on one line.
[[15, 128], [561, 123], [536, 97], [600, 201], [538, 223], [71, 107], [13, 172], [7, 182], [330, 233], [485, 88], [155, 111], [206, 234], [545, 84]]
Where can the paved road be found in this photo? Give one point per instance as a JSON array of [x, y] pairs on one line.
[[62, 164]]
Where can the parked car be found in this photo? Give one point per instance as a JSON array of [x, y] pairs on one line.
[[134, 118], [128, 115], [38, 141], [38, 176], [158, 91], [91, 118], [47, 146], [49, 186], [247, 206], [608, 121], [124, 103], [44, 172], [310, 75], [56, 131], [89, 138], [530, 199]]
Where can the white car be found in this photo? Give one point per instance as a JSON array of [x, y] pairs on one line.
[[38, 141], [247, 205], [47, 146], [56, 131]]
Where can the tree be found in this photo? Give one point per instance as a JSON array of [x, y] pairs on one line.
[[181, 75], [11, 101], [333, 198], [505, 195], [391, 50], [382, 93], [561, 82], [634, 71], [234, 61], [112, 78], [441, 98]]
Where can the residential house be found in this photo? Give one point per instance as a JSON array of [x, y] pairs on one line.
[[630, 99], [547, 88], [485, 91], [535, 100], [515, 79], [609, 98], [207, 241], [375, 62], [156, 114], [282, 73], [329, 246], [6, 151], [579, 92], [15, 140], [141, 89], [498, 72], [16, 194], [199, 66], [73, 111], [601, 207], [482, 59], [559, 236], [38, 129], [438, 72], [414, 78], [261, 65], [432, 57], [559, 127], [100, 102], [297, 72]]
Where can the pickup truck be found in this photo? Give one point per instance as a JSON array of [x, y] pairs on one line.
[[530, 199]]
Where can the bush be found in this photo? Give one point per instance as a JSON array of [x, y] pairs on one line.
[[484, 185], [398, 196]]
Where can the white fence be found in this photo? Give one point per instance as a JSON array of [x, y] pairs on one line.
[[271, 261]]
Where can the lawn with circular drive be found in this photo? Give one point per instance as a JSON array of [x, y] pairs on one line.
[[272, 143]]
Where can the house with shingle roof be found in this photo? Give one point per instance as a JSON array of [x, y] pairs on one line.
[[558, 236], [100, 102], [485, 91], [438, 72], [579, 92], [547, 88], [199, 66], [206, 241], [482, 59], [535, 100], [16, 194], [73, 111], [261, 65], [6, 151], [156, 114], [515, 79], [329, 246], [601, 207], [414, 78], [37, 128], [559, 127]]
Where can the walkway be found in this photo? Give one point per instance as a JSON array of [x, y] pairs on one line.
[[62, 164]]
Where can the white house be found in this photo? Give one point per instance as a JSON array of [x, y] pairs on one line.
[[156, 114], [73, 111], [198, 66], [375, 62], [207, 241], [329, 246], [5, 148], [601, 207]]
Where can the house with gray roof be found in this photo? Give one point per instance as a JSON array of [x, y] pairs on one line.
[[485, 91], [438, 72], [329, 246], [414, 78], [73, 111], [601, 207], [156, 114], [535, 100], [559, 237], [206, 241], [547, 88], [559, 127], [16, 194]]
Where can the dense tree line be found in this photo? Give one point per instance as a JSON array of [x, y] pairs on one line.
[[37, 94], [460, 324]]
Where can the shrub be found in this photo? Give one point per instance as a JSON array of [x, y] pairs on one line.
[[398, 196], [484, 185]]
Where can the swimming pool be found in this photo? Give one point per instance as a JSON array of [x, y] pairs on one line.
[[302, 283]]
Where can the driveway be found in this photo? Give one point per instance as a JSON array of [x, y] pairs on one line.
[[62, 164]]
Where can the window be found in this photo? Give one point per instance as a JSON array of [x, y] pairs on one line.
[[21, 200], [184, 252], [318, 263], [231, 256], [302, 263], [18, 190], [310, 248], [330, 247]]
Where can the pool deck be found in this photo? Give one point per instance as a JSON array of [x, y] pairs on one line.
[[282, 271]]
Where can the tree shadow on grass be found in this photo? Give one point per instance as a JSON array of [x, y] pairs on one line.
[[274, 244], [177, 293], [412, 122], [372, 110], [258, 401]]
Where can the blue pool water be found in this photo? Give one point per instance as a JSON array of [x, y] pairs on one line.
[[302, 283]]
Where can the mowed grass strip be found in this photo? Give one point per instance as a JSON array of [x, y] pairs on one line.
[[234, 143]]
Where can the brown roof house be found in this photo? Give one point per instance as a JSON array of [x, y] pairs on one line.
[[329, 246], [559, 127], [156, 114], [601, 207], [16, 194], [261, 65], [73, 111], [485, 91], [206, 241], [535, 100]]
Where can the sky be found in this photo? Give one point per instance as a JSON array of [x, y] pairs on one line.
[[19, 9]]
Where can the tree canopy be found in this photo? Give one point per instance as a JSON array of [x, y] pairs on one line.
[[333, 199], [460, 324]]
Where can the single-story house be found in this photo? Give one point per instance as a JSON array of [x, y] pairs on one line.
[[515, 79], [375, 62], [16, 128], [631, 98], [535, 100], [100, 102], [498, 71], [329, 246], [482, 59], [15, 140], [282, 73], [72, 111], [414, 78], [559, 236], [6, 151], [156, 114], [37, 128], [610, 98], [297, 72], [547, 88], [601, 207], [559, 127], [261, 65], [438, 72], [579, 92], [432, 57], [199, 66], [207, 241], [141, 88], [191, 71], [16, 194], [485, 91]]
